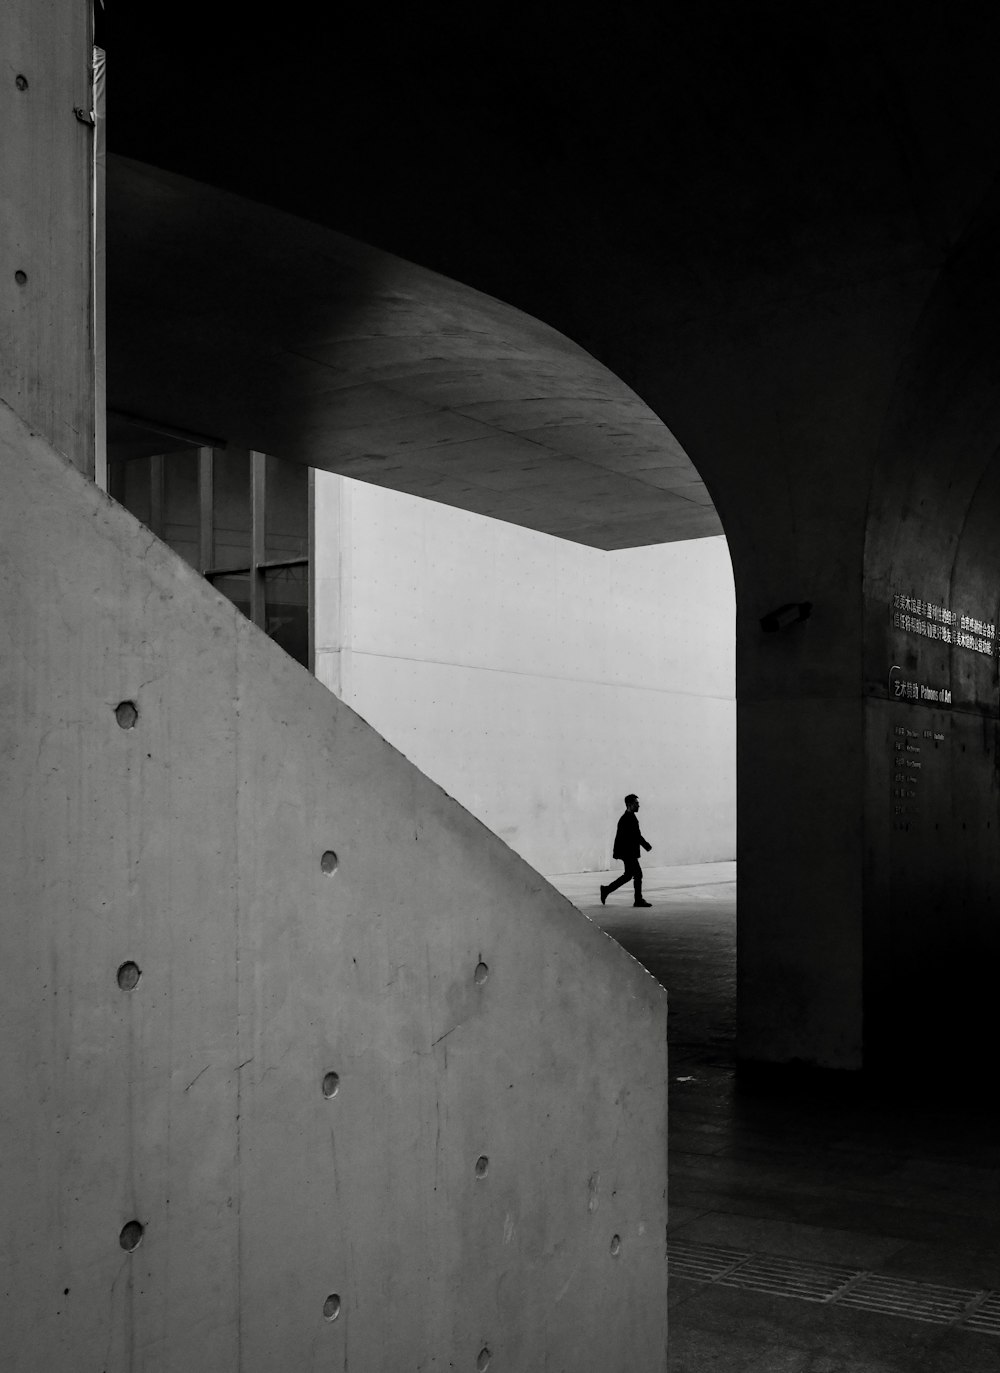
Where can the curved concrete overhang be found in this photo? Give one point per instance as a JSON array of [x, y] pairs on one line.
[[232, 320]]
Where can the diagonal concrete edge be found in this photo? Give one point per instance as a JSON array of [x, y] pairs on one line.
[[390, 1108]]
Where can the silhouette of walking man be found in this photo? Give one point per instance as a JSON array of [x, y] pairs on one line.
[[627, 841]]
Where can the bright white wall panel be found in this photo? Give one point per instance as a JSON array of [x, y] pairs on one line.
[[535, 679], [547, 769]]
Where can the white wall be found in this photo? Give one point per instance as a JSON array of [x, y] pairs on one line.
[[537, 680]]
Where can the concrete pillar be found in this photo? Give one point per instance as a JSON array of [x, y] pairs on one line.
[[787, 439], [854, 464], [46, 343], [932, 704]]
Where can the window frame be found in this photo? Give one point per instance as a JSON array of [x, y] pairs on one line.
[[259, 565]]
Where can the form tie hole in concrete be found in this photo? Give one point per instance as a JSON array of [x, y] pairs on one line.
[[131, 1236], [481, 974], [483, 1361], [126, 714], [331, 1085], [482, 1166], [329, 862], [331, 1307], [128, 976], [20, 277], [21, 82], [616, 1246]]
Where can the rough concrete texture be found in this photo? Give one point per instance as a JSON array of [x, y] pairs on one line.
[[46, 165], [476, 1023]]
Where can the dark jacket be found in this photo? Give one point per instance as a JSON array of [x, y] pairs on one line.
[[628, 838]]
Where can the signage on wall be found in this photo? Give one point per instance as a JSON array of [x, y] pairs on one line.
[[931, 621], [942, 625], [901, 689], [914, 749]]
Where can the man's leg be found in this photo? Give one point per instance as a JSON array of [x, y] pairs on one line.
[[613, 886], [636, 874]]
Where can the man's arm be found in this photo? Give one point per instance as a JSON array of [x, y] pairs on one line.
[[642, 841]]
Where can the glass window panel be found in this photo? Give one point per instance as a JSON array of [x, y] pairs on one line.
[[180, 503], [236, 587], [128, 483], [231, 531], [286, 518], [286, 609]]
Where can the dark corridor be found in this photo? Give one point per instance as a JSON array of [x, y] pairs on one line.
[[816, 1225]]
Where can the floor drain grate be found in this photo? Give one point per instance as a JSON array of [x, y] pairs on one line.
[[789, 1278], [967, 1307], [985, 1317], [704, 1262], [920, 1301]]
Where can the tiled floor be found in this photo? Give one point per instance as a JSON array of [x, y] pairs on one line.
[[840, 1181]]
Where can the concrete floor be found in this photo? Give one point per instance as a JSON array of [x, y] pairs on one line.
[[814, 1227]]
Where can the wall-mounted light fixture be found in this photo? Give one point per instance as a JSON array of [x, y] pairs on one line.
[[785, 616]]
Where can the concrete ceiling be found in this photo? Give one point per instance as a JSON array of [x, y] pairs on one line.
[[231, 319], [741, 210]]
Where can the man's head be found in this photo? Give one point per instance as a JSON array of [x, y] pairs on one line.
[[631, 801]]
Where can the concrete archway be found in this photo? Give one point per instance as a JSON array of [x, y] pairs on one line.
[[744, 214], [229, 318]]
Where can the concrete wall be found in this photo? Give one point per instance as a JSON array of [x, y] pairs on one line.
[[46, 209], [537, 680], [468, 1010], [932, 687]]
